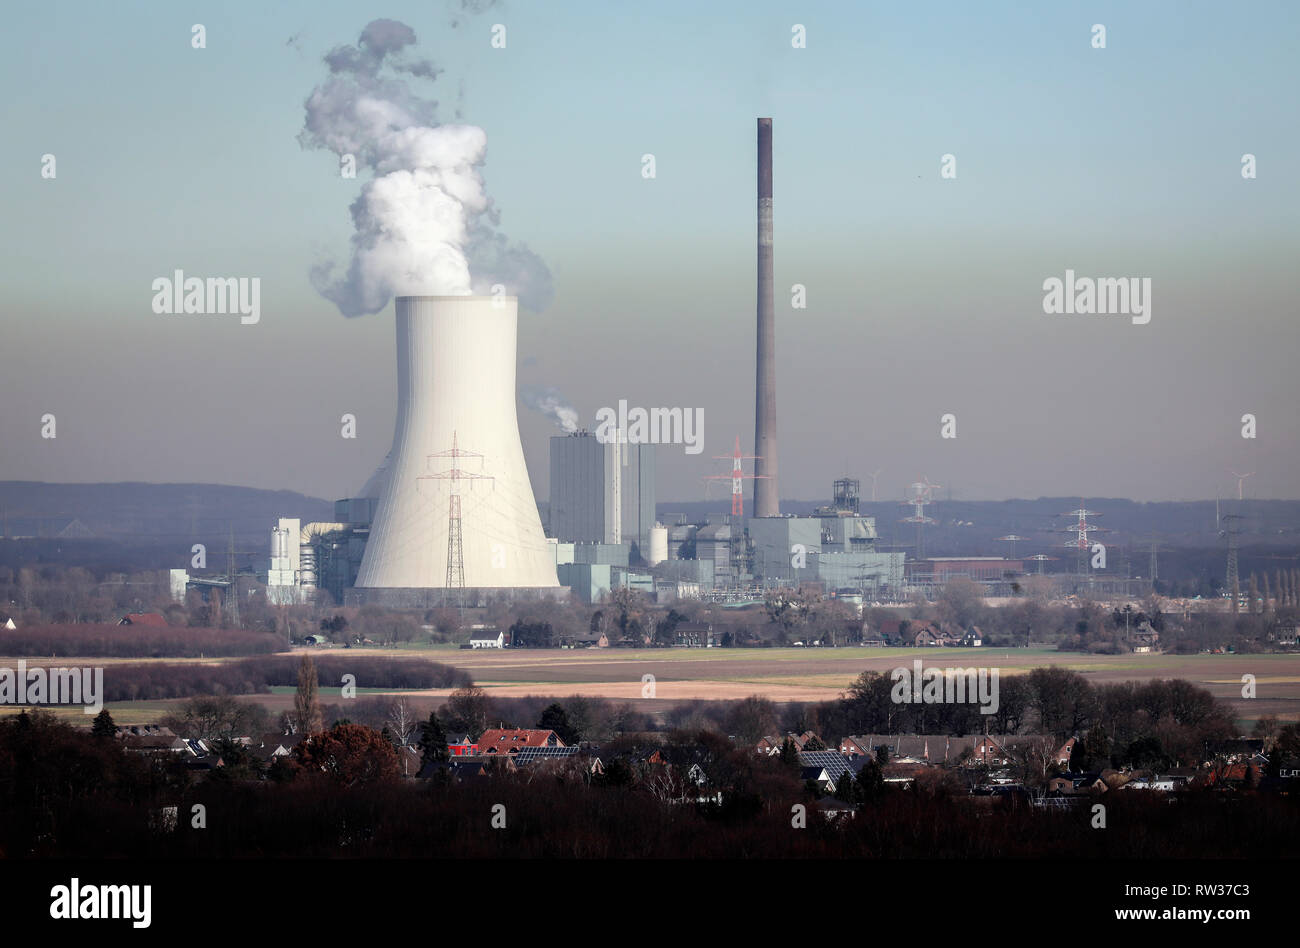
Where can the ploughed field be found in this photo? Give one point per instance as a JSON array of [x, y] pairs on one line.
[[818, 674], [782, 675]]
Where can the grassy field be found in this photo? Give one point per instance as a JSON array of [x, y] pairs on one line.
[[783, 675]]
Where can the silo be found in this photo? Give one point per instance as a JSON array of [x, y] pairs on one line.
[[658, 544], [456, 507]]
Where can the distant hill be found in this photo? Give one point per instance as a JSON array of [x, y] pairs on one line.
[[138, 513]]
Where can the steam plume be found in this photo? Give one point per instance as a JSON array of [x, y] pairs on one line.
[[424, 224], [551, 403]]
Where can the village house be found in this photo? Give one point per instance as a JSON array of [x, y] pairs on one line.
[[559, 760], [274, 745], [771, 745], [486, 638], [1074, 784], [1285, 636], [1144, 638], [512, 740], [461, 745], [466, 769], [695, 635], [835, 764], [818, 776]]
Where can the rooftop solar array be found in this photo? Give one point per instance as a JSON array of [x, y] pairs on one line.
[[527, 755], [834, 762]]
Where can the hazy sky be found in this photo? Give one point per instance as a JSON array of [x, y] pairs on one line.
[[924, 294]]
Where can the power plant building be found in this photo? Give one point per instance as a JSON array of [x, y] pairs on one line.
[[871, 572], [602, 493], [778, 542]]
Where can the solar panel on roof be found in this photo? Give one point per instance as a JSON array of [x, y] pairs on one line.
[[835, 764], [528, 754]]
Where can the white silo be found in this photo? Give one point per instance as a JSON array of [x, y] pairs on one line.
[[456, 506], [658, 544]]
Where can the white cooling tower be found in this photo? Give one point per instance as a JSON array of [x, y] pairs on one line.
[[456, 445]]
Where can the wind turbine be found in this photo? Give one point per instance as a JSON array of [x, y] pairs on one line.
[[1241, 478]]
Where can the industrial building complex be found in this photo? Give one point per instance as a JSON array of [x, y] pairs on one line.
[[450, 515]]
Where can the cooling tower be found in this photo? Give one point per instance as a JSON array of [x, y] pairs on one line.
[[456, 490], [766, 498]]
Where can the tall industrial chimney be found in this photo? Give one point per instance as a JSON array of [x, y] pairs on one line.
[[766, 497], [456, 507]]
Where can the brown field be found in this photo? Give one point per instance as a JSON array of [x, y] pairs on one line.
[[784, 675]]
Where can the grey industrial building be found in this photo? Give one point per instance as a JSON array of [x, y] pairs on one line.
[[602, 493], [838, 551]]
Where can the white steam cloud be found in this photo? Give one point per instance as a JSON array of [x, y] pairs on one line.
[[551, 403], [424, 224]]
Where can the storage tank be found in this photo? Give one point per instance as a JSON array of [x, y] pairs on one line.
[[658, 544]]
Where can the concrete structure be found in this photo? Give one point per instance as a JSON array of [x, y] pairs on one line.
[[849, 534], [605, 554], [874, 573], [456, 450], [713, 545], [766, 496], [602, 493], [667, 591], [697, 572], [679, 534], [779, 541], [589, 581], [577, 507], [637, 495], [622, 578], [177, 580], [282, 578]]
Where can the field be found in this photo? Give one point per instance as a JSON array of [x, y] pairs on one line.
[[782, 675]]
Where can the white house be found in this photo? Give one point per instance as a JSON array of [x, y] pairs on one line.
[[486, 638]]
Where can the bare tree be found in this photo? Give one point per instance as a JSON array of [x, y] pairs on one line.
[[1036, 759], [401, 721], [650, 623]]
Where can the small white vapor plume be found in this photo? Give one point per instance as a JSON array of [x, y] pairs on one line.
[[549, 401], [424, 223]]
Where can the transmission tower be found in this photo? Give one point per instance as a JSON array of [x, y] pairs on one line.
[[1081, 529], [741, 553], [1231, 533], [1041, 558], [737, 478], [455, 537], [1012, 538], [919, 495], [232, 607]]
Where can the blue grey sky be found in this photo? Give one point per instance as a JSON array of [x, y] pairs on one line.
[[924, 294]]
